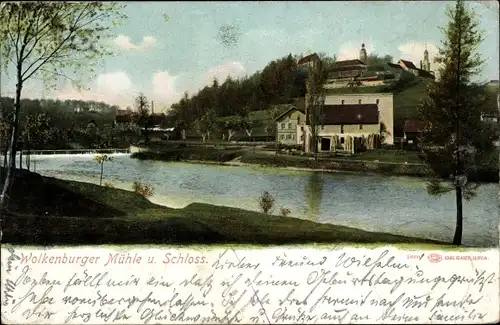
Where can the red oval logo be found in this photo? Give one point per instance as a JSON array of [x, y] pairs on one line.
[[435, 257]]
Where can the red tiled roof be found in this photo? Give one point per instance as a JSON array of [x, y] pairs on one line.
[[351, 114], [413, 126], [409, 64], [308, 58]]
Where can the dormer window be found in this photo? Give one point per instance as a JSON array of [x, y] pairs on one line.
[[377, 101], [359, 101], [343, 102]]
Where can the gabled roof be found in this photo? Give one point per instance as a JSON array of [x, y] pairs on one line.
[[308, 58], [288, 111], [350, 114], [408, 64], [413, 126]]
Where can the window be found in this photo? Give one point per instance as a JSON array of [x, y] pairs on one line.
[[377, 101], [341, 129], [322, 127], [293, 136], [298, 119], [290, 125], [288, 136], [359, 101], [343, 101], [282, 137], [342, 140], [282, 125], [361, 126]]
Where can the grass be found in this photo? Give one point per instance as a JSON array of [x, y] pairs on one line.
[[91, 214]]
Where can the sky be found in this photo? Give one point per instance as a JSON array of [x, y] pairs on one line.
[[163, 58]]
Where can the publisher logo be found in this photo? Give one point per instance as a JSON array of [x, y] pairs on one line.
[[435, 258]]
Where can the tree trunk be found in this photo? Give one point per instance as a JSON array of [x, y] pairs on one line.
[[21, 158], [457, 239], [102, 171], [13, 138]]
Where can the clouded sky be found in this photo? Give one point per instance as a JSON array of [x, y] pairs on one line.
[[165, 57]]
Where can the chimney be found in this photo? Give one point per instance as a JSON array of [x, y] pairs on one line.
[[420, 64]]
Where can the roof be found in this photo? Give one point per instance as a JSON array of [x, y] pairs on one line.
[[288, 111], [345, 63], [308, 58], [408, 64], [413, 126], [424, 73], [351, 114], [394, 65]]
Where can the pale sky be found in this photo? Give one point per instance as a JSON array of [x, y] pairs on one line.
[[165, 58]]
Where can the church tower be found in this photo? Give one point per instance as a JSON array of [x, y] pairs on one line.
[[427, 64], [362, 54]]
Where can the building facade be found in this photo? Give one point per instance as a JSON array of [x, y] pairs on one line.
[[385, 105], [289, 126]]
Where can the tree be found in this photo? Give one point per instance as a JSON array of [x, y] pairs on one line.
[[142, 115], [101, 159], [315, 100], [48, 39], [205, 124], [35, 132], [455, 139]]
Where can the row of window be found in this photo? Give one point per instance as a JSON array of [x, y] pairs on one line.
[[360, 101], [283, 125], [289, 136]]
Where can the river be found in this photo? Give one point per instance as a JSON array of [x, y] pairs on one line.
[[395, 204]]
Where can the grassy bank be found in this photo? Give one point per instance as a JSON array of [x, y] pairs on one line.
[[53, 211]]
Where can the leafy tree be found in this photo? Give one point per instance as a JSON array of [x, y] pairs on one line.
[[48, 39], [205, 124], [101, 159], [35, 132], [455, 139], [142, 115], [315, 100]]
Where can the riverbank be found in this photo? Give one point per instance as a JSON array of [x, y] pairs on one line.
[[247, 157], [50, 211]]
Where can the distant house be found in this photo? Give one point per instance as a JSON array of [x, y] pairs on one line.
[[410, 67], [347, 69], [412, 130], [290, 129], [489, 118], [308, 61]]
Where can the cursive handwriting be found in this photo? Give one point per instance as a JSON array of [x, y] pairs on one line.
[[255, 287]]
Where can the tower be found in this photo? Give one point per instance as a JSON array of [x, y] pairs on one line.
[[362, 53], [427, 64]]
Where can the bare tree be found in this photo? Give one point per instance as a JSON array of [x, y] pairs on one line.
[[315, 100], [142, 115]]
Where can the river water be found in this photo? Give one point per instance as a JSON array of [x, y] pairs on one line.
[[395, 204]]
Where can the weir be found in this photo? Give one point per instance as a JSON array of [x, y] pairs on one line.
[[76, 151]]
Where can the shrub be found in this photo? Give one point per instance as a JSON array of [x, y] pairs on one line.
[[285, 212], [108, 184], [266, 202], [142, 189]]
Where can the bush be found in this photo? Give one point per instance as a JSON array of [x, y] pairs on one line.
[[108, 184], [285, 212], [142, 189], [266, 202]]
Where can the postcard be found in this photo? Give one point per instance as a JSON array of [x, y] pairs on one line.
[[249, 162]]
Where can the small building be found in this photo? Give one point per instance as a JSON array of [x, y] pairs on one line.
[[289, 126], [412, 130]]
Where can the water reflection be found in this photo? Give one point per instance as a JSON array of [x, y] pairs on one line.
[[314, 195]]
